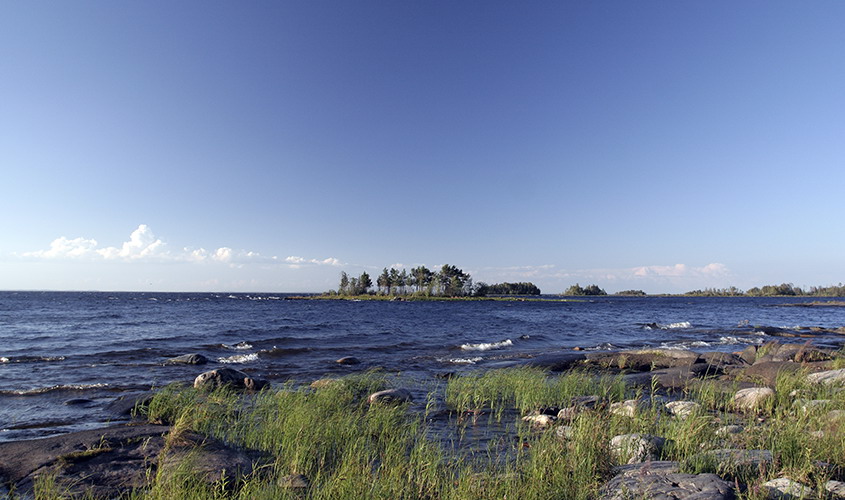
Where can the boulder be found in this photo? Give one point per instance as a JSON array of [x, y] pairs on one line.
[[636, 448], [228, 377], [390, 396], [753, 398], [784, 488], [627, 408], [683, 409], [107, 463], [557, 362], [188, 359], [829, 377], [661, 480]]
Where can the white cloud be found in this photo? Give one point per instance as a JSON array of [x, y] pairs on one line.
[[63, 247], [144, 246]]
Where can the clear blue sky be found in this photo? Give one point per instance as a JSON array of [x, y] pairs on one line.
[[266, 146]]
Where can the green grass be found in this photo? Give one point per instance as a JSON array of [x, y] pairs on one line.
[[468, 440]]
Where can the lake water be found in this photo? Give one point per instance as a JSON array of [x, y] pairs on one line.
[[66, 356]]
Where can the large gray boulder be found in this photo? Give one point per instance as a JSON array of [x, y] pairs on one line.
[[753, 398], [188, 359], [228, 377], [829, 377], [784, 488], [662, 481]]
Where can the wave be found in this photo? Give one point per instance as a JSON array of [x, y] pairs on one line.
[[486, 346], [31, 359], [52, 388], [283, 351], [239, 346], [239, 358], [461, 361], [670, 326]]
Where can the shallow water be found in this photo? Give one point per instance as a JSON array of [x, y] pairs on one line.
[[65, 356]]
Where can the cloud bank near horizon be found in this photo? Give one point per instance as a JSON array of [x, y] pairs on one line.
[[144, 246]]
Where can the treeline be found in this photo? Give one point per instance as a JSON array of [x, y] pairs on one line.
[[784, 289], [448, 281], [522, 288], [578, 290]]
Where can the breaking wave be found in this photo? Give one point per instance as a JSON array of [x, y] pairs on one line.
[[239, 358], [486, 346], [670, 326], [460, 361], [52, 388]]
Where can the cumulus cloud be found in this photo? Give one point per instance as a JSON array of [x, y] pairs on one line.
[[144, 246], [680, 271]]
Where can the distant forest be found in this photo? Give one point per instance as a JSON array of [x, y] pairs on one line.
[[782, 290], [449, 281]]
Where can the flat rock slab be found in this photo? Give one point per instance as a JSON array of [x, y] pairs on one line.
[[662, 481], [107, 462]]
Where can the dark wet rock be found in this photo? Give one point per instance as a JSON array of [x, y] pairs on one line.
[[558, 362], [348, 360], [390, 396], [662, 481], [126, 405], [723, 360], [749, 354], [643, 359], [188, 359], [766, 372], [111, 461], [672, 378], [228, 377], [800, 353]]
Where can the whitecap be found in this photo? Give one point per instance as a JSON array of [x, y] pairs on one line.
[[4, 360], [240, 346], [680, 324], [461, 361], [731, 340], [486, 346], [239, 358]]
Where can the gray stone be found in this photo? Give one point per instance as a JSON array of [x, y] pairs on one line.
[[784, 488], [753, 398], [188, 359], [729, 429], [836, 489], [228, 377], [683, 409], [627, 408], [662, 481], [636, 448], [827, 377], [564, 432], [540, 421], [390, 396]]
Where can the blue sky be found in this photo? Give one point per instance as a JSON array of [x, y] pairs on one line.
[[266, 146]]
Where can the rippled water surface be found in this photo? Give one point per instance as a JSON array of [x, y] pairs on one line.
[[66, 356]]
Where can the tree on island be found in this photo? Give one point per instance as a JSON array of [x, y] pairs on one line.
[[448, 282], [483, 289], [576, 289], [631, 293]]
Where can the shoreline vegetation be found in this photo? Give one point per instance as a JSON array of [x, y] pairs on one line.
[[450, 282], [607, 425]]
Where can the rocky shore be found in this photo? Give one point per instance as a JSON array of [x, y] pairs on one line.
[[716, 409]]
